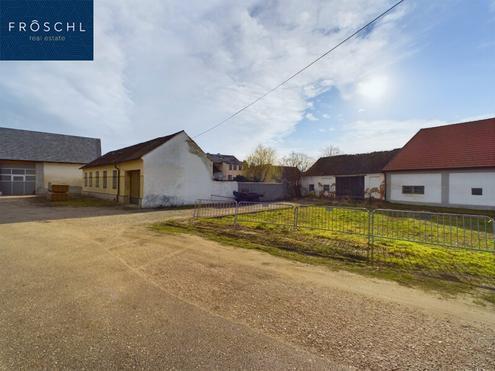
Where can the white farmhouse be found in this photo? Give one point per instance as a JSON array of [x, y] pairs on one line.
[[451, 165], [165, 171], [355, 176]]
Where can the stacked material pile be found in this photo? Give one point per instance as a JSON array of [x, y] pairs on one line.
[[58, 192]]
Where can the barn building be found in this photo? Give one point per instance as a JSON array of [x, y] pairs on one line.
[[451, 165], [355, 176], [30, 161]]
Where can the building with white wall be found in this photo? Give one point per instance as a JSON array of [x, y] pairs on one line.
[[30, 161], [165, 171], [451, 165], [356, 176]]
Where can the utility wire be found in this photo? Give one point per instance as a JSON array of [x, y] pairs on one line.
[[301, 70]]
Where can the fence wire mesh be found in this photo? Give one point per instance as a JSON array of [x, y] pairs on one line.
[[447, 246]]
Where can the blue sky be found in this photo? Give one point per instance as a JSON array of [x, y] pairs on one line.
[[163, 66]]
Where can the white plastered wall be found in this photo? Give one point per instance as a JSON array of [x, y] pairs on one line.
[[59, 173], [176, 173], [431, 181], [460, 185]]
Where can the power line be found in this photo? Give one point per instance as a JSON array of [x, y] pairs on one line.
[[301, 70]]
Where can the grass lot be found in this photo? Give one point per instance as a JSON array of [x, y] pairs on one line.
[[341, 235]]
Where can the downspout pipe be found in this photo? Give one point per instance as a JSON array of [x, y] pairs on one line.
[[117, 197]]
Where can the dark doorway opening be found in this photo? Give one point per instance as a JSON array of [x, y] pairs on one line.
[[350, 187]]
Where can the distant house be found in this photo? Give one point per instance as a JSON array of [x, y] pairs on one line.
[[355, 176], [451, 165], [225, 167], [169, 170], [30, 160]]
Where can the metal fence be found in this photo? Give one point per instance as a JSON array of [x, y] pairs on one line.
[[475, 232], [453, 245]]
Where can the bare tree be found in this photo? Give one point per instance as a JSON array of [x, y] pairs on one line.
[[299, 160], [330, 150], [259, 165]]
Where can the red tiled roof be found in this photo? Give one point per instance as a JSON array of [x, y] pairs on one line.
[[134, 152], [461, 146]]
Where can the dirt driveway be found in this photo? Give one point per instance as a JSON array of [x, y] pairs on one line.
[[106, 292]]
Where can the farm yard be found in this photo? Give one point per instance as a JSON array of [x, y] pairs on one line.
[[445, 246], [81, 285]]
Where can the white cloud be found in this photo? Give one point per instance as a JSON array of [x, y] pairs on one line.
[[164, 66], [309, 116], [379, 135]]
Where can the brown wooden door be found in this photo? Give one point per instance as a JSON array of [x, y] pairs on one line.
[[135, 185]]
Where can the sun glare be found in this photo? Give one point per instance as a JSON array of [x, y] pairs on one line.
[[373, 88]]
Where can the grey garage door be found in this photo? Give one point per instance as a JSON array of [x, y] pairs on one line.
[[17, 181]]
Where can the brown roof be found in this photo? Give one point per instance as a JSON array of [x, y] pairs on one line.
[[362, 163], [219, 158], [134, 152], [464, 145]]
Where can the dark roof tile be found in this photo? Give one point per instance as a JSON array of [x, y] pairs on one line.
[[26, 145], [130, 153], [362, 163], [228, 159]]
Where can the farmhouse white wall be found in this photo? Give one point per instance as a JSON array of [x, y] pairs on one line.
[[56, 173], [431, 181], [370, 181], [374, 181], [223, 189], [176, 173], [319, 182], [460, 185]]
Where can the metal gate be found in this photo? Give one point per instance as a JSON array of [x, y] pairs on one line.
[[17, 181]]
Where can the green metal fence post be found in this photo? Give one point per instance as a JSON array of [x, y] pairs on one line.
[[296, 217], [235, 214], [371, 236]]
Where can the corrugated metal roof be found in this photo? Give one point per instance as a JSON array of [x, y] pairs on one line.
[[461, 146], [362, 163], [130, 153], [26, 145]]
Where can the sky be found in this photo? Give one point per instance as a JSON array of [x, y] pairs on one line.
[[164, 66]]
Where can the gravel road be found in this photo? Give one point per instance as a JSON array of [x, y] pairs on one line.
[[107, 291]]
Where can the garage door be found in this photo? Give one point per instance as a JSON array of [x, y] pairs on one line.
[[350, 186], [17, 181]]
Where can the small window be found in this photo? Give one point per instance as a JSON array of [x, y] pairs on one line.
[[326, 187], [30, 178], [97, 179], [230, 166], [5, 178], [114, 179], [18, 171], [311, 187], [90, 178], [5, 171], [413, 190], [477, 191], [230, 177], [105, 179], [85, 179], [240, 167]]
